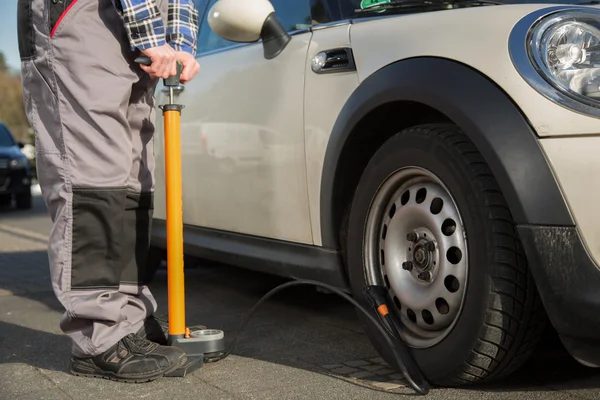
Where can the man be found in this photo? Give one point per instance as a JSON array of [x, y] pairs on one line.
[[93, 112]]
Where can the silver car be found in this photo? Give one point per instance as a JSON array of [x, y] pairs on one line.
[[445, 149]]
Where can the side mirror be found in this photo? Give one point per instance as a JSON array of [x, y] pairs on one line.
[[248, 21], [21, 145]]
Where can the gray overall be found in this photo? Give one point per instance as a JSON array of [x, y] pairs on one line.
[[92, 110]]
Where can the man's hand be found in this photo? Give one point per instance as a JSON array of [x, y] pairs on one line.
[[190, 66], [163, 61]]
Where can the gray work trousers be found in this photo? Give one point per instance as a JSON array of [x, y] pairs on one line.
[[92, 110]]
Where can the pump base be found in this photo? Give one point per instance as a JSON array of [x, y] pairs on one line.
[[200, 344], [202, 341]]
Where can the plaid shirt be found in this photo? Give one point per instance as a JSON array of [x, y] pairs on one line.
[[145, 27]]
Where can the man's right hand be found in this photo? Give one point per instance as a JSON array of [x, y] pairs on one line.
[[164, 62]]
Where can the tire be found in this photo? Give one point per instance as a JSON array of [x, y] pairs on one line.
[[5, 201], [491, 317], [24, 201]]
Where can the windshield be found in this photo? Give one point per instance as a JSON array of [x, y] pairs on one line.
[[6, 139], [361, 8]]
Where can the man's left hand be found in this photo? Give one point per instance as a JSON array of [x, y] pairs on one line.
[[190, 66]]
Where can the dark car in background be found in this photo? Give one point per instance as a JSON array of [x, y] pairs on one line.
[[15, 171]]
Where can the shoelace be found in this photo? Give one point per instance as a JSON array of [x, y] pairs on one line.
[[137, 344]]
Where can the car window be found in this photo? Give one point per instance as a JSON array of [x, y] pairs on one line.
[[6, 139], [324, 11], [293, 14], [347, 8]]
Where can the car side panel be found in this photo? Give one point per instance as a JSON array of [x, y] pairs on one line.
[[243, 155], [577, 168], [325, 96], [496, 126], [459, 35]]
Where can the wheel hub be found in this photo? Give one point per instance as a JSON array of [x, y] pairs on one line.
[[416, 246], [422, 255]]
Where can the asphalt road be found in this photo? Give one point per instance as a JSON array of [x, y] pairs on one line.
[[301, 345]]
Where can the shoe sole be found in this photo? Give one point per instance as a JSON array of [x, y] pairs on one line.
[[111, 377]]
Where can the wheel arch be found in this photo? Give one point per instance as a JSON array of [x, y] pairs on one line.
[[430, 89]]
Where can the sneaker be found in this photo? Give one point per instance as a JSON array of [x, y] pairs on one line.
[[157, 330], [132, 359]]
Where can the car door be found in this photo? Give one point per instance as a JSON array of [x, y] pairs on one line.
[[242, 134], [326, 92]]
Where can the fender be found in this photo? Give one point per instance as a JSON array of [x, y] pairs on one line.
[[481, 109]]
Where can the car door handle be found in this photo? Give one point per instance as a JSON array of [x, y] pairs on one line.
[[177, 89], [334, 60]]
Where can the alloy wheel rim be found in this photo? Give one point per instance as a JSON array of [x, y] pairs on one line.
[[416, 246]]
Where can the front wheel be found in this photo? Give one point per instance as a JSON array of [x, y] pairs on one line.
[[24, 201], [5, 201], [430, 223]]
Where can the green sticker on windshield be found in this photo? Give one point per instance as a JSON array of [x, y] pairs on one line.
[[372, 3]]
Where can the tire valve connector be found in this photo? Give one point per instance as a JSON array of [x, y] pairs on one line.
[[378, 298]]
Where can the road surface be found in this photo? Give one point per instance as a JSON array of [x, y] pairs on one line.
[[301, 345]]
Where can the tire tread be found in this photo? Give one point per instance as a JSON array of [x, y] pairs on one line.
[[525, 322]]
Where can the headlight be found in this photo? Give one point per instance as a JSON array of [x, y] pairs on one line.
[[566, 49], [19, 163], [563, 49]]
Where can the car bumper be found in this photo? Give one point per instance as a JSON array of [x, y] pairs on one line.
[[575, 163], [15, 182], [565, 259], [569, 282]]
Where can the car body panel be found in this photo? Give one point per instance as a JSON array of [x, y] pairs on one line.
[[325, 96], [11, 152], [258, 188], [567, 280], [402, 37], [13, 181], [577, 168], [497, 128], [261, 140], [295, 213], [491, 58]]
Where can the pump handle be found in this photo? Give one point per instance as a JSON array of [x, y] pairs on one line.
[[170, 81]]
